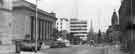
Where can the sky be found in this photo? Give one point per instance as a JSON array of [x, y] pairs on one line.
[[99, 11]]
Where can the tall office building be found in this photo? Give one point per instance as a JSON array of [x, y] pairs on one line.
[[79, 28]]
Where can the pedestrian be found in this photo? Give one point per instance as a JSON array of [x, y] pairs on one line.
[[91, 43]]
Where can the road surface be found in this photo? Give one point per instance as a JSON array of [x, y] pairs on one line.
[[82, 49], [74, 50]]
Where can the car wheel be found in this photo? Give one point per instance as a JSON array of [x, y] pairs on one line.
[[38, 49], [18, 50]]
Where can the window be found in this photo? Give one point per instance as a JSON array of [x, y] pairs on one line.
[[60, 23], [57, 23]]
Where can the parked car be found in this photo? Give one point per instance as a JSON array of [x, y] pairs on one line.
[[27, 45], [57, 44]]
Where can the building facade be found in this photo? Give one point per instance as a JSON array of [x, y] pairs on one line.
[[127, 24], [62, 24], [22, 22], [113, 32], [127, 19], [78, 28]]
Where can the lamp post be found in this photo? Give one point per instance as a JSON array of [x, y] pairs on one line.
[[36, 30]]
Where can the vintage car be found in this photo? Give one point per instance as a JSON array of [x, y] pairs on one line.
[[27, 45], [57, 44]]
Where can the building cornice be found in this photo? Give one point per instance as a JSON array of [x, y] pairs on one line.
[[4, 9], [32, 7]]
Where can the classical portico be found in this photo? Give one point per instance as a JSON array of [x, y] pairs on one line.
[[44, 29], [25, 17]]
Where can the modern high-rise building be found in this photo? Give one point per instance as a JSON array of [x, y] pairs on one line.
[[79, 28]]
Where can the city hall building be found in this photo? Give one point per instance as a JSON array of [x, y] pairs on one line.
[[18, 21]]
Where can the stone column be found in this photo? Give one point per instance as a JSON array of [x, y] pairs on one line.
[[47, 30], [43, 30], [40, 28], [38, 21], [34, 29], [51, 31]]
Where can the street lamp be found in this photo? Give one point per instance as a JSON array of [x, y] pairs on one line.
[[36, 30]]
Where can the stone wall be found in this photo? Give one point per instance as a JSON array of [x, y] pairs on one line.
[[7, 49]]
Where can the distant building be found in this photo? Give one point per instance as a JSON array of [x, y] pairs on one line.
[[115, 22], [19, 22], [91, 35], [114, 27], [79, 28], [62, 24], [115, 19]]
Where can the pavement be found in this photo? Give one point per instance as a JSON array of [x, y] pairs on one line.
[[76, 49], [115, 51], [81, 49]]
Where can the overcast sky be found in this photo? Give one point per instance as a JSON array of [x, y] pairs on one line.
[[100, 11]]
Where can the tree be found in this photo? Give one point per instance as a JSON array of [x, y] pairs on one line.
[[114, 35], [55, 34], [70, 36], [99, 36], [64, 34]]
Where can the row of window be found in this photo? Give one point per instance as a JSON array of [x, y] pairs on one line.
[[59, 23], [78, 29], [79, 32], [78, 22], [79, 26]]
